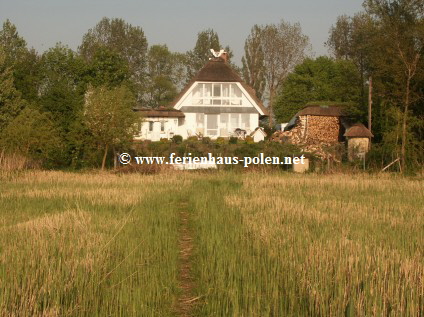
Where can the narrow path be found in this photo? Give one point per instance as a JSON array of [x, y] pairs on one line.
[[186, 301]]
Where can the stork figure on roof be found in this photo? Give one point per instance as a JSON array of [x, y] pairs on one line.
[[217, 54]]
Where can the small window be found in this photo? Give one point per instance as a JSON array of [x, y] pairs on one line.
[[150, 126], [162, 126]]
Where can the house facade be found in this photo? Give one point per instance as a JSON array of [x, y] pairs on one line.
[[216, 103]]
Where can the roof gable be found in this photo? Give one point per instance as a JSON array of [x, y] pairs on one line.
[[217, 70]]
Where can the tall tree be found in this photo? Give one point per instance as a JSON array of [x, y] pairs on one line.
[[283, 47], [128, 41], [109, 116], [62, 87], [24, 63], [200, 54], [320, 79], [10, 98], [401, 31], [253, 61], [14, 46], [163, 76], [352, 38], [107, 67]]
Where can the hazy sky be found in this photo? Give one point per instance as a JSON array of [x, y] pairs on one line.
[[176, 23]]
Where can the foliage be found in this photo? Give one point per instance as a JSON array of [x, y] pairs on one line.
[[253, 61], [386, 42], [33, 135], [107, 68], [109, 116], [122, 39], [282, 46], [177, 139], [10, 99], [321, 79], [200, 54], [62, 89], [163, 69]]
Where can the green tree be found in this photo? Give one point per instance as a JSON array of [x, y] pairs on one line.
[[107, 68], [62, 87], [352, 38], [109, 116], [13, 44], [124, 39], [33, 135], [320, 79], [253, 61], [10, 98], [24, 63], [400, 27], [200, 54], [164, 74]]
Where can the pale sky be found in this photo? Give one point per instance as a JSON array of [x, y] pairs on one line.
[[175, 23]]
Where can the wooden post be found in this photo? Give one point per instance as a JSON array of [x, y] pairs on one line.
[[370, 103]]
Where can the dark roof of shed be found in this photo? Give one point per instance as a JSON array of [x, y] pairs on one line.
[[358, 130], [319, 110], [161, 113], [217, 70]]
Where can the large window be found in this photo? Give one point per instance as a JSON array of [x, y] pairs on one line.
[[220, 94]]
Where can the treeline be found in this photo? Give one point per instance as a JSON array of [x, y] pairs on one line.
[[382, 48], [68, 108]]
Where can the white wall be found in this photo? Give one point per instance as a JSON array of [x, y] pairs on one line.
[[170, 129], [189, 126]]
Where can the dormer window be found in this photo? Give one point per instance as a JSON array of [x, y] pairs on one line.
[[220, 94]]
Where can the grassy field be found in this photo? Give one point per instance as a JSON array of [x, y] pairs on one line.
[[263, 245]]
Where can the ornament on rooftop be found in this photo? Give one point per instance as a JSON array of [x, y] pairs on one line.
[[217, 54]]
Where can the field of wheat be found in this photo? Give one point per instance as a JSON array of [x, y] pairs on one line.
[[254, 244]]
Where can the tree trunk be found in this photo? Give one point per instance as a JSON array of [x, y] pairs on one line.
[[104, 157], [270, 106], [405, 118]]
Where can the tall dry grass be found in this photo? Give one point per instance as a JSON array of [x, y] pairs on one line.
[[277, 244], [88, 245], [303, 245]]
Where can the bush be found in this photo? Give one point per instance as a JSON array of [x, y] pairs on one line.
[[233, 140], [249, 140], [177, 139], [192, 138], [206, 140], [220, 140]]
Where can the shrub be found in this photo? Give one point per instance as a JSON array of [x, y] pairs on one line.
[[220, 140], [249, 140], [206, 140], [192, 138], [177, 139], [233, 140]]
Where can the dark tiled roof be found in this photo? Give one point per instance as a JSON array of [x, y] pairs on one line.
[[358, 130], [316, 110], [161, 113], [217, 70]]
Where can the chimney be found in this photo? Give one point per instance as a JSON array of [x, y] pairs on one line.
[[224, 56]]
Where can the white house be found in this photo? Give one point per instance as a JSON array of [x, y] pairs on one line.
[[215, 103]]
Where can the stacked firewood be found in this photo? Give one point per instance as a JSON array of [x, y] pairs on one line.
[[323, 128], [313, 134]]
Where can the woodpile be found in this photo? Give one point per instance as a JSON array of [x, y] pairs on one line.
[[318, 135], [323, 128]]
